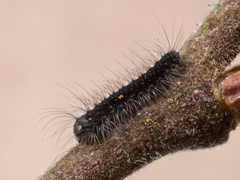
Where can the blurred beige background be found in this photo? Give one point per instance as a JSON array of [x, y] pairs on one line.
[[44, 43]]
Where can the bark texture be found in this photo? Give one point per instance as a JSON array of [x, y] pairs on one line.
[[188, 118]]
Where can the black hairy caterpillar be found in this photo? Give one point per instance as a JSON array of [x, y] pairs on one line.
[[97, 123], [112, 105]]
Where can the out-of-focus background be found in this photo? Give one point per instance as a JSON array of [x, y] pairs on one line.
[[45, 43]]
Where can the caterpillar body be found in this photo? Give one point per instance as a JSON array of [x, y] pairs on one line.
[[98, 122]]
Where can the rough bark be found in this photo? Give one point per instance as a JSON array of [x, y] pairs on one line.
[[189, 117]]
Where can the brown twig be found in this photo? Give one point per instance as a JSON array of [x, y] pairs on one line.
[[188, 118]]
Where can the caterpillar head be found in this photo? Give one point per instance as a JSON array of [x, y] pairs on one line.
[[81, 126]]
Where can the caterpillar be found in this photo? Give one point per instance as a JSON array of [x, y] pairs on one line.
[[123, 104], [111, 106]]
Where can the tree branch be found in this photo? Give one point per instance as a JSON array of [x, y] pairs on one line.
[[188, 118]]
